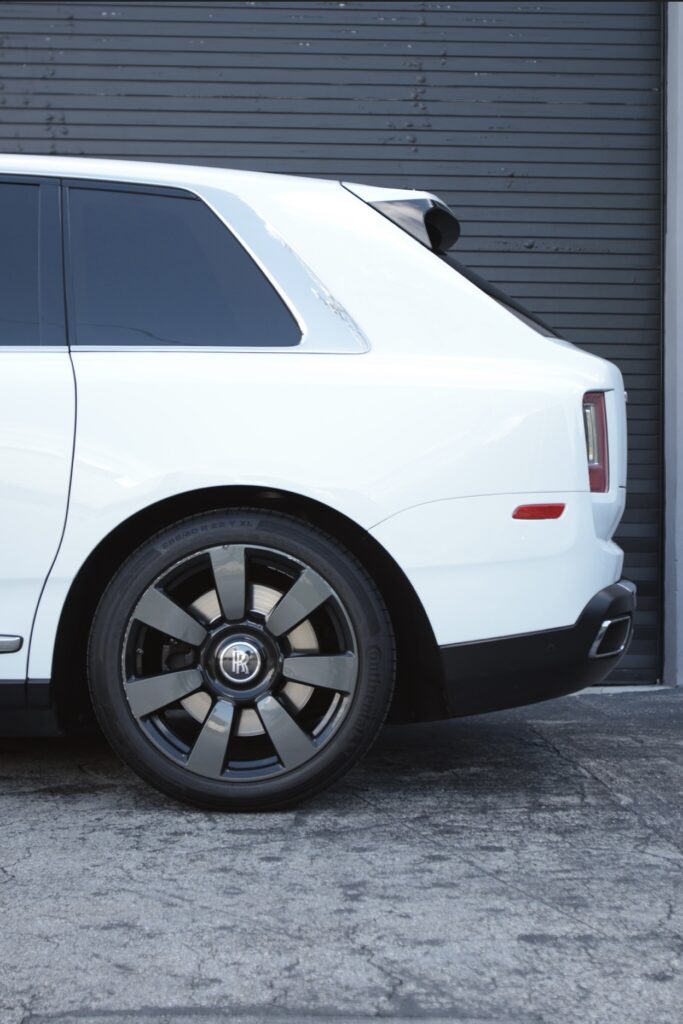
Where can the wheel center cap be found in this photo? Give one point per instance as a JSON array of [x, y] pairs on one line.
[[239, 660]]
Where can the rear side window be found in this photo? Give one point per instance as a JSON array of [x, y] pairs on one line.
[[150, 269], [19, 261]]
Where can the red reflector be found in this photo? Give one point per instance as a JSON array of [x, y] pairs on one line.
[[538, 511]]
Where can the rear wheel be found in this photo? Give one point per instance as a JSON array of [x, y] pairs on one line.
[[241, 660]]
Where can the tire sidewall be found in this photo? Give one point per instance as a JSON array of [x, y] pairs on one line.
[[355, 589]]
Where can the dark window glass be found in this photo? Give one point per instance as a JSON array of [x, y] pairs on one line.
[[153, 269], [19, 306]]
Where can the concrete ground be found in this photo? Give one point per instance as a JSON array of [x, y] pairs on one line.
[[519, 867]]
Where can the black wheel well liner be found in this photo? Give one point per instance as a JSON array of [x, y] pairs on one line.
[[419, 694]]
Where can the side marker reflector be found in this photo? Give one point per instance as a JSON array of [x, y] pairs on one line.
[[538, 511]]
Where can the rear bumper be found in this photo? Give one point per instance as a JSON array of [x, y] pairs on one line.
[[510, 671]]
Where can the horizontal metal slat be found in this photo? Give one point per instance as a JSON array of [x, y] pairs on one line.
[[538, 122]]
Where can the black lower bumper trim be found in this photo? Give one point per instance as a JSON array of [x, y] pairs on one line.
[[505, 673]]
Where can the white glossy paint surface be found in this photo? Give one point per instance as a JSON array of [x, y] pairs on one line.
[[36, 439], [457, 412], [480, 573]]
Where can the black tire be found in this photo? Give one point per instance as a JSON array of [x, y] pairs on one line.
[[284, 738]]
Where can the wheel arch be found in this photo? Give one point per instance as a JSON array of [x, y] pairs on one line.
[[419, 694]]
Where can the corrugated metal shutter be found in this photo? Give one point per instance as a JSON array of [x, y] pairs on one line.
[[540, 123]]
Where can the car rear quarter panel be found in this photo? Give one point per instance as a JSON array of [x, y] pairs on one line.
[[455, 400], [369, 435]]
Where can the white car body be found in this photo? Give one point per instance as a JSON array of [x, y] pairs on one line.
[[416, 407]]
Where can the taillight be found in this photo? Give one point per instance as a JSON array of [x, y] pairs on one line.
[[595, 423]]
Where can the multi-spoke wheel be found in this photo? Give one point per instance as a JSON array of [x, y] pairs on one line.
[[241, 660]]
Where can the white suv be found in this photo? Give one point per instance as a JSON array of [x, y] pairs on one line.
[[274, 466]]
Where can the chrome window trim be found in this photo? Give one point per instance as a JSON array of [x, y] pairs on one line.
[[326, 326], [44, 349], [207, 349]]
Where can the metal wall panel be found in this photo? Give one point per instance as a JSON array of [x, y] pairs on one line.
[[539, 122]]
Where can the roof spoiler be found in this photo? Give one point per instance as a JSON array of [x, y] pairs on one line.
[[420, 214]]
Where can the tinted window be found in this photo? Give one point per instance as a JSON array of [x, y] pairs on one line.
[[150, 269], [19, 306]]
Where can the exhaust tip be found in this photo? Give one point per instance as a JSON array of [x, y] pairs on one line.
[[612, 638]]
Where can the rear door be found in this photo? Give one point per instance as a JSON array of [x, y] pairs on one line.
[[37, 412]]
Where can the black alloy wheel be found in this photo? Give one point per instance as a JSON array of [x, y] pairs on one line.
[[241, 660]]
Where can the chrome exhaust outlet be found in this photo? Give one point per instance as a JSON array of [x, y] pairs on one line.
[[612, 638]]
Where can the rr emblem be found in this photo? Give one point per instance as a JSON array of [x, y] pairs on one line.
[[240, 662]]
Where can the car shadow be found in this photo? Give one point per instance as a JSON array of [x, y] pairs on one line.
[[484, 756]]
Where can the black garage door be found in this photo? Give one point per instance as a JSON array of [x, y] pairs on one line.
[[540, 123]]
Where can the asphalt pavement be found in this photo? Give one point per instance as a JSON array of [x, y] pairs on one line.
[[518, 868]]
